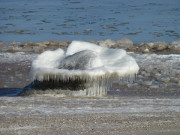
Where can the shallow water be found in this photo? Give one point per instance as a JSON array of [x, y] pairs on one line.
[[9, 92], [140, 21], [123, 92]]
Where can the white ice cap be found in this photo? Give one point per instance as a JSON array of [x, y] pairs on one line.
[[83, 60]]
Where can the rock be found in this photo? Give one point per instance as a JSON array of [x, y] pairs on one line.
[[17, 49], [178, 84], [163, 85], [146, 50], [5, 86], [129, 85], [143, 48], [154, 46], [54, 43], [2, 43], [124, 43], [140, 81], [38, 49], [27, 49], [157, 76], [175, 46], [174, 80], [140, 76], [31, 44], [11, 78], [13, 49], [143, 73], [13, 43], [172, 84], [154, 86], [166, 80], [159, 46], [148, 83], [43, 44], [92, 41], [60, 43], [107, 43], [134, 85], [150, 45]]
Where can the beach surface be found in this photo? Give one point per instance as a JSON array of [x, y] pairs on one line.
[[107, 115], [147, 30], [149, 105]]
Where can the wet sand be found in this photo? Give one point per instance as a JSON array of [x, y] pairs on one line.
[[108, 115], [126, 110]]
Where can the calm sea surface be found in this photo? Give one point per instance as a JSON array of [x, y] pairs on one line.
[[42, 20]]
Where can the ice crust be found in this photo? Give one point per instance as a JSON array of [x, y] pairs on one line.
[[85, 61], [84, 69]]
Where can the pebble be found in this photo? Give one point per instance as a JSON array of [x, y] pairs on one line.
[[146, 50], [11, 78], [124, 43], [174, 80], [107, 43], [148, 83], [178, 84], [160, 46], [150, 45], [175, 46], [5, 86], [166, 80], [154, 86]]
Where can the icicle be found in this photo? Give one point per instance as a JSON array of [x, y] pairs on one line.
[[95, 76]]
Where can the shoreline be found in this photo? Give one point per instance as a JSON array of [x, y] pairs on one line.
[[159, 68], [158, 71], [147, 106], [158, 47], [53, 115]]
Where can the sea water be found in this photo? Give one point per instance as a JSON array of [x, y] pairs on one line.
[[140, 21]]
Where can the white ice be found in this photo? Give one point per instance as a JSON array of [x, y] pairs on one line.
[[83, 60]]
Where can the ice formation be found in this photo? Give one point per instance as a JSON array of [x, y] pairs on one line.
[[82, 66]]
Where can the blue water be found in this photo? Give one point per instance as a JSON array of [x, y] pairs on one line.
[[42, 20]]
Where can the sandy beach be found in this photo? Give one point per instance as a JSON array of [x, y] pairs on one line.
[[143, 107], [147, 30], [108, 115]]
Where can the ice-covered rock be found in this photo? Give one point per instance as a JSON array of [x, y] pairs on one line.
[[175, 46], [166, 80], [107, 43], [146, 50], [163, 68], [150, 45], [174, 79], [124, 43], [83, 66], [148, 83], [159, 46], [154, 86], [178, 84], [61, 43]]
